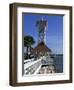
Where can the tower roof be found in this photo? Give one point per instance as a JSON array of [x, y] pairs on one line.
[[41, 47]]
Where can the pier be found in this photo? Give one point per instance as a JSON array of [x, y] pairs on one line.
[[40, 66]]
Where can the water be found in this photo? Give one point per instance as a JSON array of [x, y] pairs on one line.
[[58, 62]]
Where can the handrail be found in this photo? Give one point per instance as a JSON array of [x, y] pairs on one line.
[[29, 60], [31, 63]]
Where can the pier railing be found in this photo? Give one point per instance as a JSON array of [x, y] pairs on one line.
[[32, 66]]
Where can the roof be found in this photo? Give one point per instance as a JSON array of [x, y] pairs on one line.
[[41, 47]]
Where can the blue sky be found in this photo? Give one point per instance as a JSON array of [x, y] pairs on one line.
[[54, 34]]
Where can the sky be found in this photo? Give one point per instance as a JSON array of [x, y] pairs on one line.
[[54, 34]]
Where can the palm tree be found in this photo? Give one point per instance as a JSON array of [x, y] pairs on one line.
[[28, 42]]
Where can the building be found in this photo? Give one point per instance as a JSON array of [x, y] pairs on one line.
[[42, 50]]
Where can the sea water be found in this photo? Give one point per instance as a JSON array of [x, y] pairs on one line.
[[58, 63]]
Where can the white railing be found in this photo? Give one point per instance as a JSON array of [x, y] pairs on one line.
[[31, 67], [29, 60]]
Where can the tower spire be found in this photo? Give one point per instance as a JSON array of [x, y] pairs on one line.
[[41, 27]]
